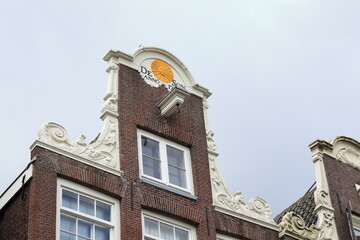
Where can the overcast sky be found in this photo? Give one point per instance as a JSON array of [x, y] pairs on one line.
[[283, 73]]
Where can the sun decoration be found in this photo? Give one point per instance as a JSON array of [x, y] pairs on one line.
[[162, 71]]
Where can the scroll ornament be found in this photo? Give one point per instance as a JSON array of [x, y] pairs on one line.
[[210, 141], [325, 214], [322, 198], [256, 207], [110, 105], [318, 157], [349, 156], [294, 225], [102, 151], [113, 67], [326, 225]]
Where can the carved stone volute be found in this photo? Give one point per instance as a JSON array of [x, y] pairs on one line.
[[104, 150], [293, 225]]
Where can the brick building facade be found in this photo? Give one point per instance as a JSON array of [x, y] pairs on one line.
[[152, 174]]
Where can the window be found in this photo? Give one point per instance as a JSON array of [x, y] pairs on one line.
[[85, 214], [164, 161], [157, 227]]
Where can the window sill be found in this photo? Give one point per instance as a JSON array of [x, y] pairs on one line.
[[170, 189]]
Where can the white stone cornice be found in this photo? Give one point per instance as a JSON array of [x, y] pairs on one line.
[[204, 90], [75, 157], [117, 54], [247, 218]]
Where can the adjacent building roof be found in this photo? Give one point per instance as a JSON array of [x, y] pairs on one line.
[[305, 207]]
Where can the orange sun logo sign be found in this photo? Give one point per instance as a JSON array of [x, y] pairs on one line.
[[162, 71]]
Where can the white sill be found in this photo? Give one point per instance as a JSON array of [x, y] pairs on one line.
[[170, 189]]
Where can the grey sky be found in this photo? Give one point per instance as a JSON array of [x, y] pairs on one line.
[[283, 73]]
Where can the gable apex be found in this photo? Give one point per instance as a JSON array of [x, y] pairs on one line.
[[142, 60]]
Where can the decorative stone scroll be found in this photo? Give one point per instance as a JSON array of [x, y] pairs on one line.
[[321, 198], [104, 150], [210, 141], [293, 225], [343, 149], [349, 156], [256, 208], [325, 213]]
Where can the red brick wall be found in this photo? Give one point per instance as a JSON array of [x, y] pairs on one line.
[[242, 229], [342, 179], [42, 197], [14, 216], [137, 109]]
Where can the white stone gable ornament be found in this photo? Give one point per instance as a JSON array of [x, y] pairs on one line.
[[157, 72], [157, 67], [104, 150], [256, 210]]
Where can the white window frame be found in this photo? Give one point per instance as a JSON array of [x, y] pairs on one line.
[[164, 219], [164, 163], [113, 224], [224, 237]]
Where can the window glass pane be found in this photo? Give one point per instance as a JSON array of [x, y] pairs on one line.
[[66, 236], [151, 227], [150, 147], [177, 176], [85, 229], [68, 223], [103, 211], [151, 167], [175, 157], [181, 234], [166, 231], [87, 205], [69, 199], [102, 233]]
